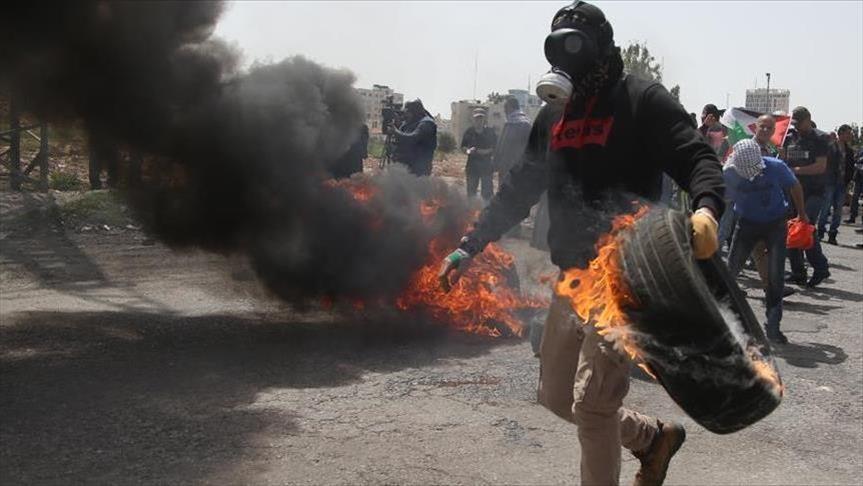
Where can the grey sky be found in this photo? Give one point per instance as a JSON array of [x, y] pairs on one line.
[[714, 50]]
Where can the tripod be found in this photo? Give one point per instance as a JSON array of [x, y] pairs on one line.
[[388, 155]]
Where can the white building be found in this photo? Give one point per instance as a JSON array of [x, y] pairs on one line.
[[529, 102], [761, 101], [373, 101]]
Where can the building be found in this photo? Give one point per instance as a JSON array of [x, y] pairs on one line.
[[373, 100], [529, 102], [760, 100], [462, 111]]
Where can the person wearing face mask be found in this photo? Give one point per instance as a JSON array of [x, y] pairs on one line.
[[765, 127], [757, 187], [603, 139]]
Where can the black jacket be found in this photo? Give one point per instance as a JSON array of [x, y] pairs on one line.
[[835, 173], [351, 162], [804, 150], [416, 144], [595, 158]]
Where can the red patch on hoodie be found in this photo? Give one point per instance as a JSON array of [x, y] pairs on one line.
[[581, 132]]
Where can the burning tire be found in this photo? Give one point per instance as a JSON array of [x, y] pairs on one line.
[[694, 327]]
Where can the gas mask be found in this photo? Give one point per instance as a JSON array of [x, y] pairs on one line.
[[580, 36]]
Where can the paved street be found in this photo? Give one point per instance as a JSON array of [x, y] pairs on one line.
[[128, 364]]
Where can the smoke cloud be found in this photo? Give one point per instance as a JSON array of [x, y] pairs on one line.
[[238, 158]]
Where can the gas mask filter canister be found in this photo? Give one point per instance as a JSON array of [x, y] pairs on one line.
[[554, 87]]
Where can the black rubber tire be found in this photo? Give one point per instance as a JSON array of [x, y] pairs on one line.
[[683, 335]]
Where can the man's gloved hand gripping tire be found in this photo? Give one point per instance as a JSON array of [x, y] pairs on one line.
[[705, 229]]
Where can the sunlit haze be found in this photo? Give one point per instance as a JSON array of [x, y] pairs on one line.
[[446, 51]]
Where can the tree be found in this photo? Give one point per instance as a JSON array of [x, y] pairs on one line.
[[495, 97], [445, 142], [675, 92], [856, 142], [638, 61]]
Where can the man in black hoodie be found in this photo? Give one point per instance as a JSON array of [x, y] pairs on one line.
[[603, 139]]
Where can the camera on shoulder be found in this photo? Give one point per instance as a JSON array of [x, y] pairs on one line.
[[392, 114]]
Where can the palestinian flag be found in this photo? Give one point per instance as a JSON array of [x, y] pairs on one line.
[[741, 124]]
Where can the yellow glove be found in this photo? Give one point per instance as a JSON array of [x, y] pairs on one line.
[[704, 234]]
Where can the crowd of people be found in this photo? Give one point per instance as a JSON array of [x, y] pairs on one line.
[[809, 177], [806, 178]]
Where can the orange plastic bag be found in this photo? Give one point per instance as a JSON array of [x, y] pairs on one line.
[[801, 236]]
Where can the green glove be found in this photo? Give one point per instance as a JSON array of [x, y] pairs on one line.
[[454, 261]]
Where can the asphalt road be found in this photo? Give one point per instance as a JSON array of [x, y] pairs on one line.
[[122, 363]]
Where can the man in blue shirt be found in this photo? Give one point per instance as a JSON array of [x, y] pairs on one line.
[[757, 186]]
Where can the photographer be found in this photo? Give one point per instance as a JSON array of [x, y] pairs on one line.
[[416, 139]]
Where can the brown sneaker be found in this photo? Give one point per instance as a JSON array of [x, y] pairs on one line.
[[654, 461]]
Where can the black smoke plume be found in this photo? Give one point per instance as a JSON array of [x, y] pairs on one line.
[[240, 157]]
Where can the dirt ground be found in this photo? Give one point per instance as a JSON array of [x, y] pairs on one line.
[[123, 362]]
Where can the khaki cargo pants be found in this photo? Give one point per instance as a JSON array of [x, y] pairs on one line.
[[583, 380]]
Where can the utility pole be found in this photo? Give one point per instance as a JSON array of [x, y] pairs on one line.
[[769, 109], [727, 100], [475, 68]]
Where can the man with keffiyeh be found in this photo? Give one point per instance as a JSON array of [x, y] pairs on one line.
[[756, 186]]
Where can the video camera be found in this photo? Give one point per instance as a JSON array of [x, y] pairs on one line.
[[392, 114]]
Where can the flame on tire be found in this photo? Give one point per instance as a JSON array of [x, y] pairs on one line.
[[598, 293]]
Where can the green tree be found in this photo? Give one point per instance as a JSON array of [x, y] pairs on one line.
[[856, 142], [445, 142], [638, 61], [495, 97]]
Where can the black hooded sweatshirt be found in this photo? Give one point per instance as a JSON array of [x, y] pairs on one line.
[[595, 157]]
